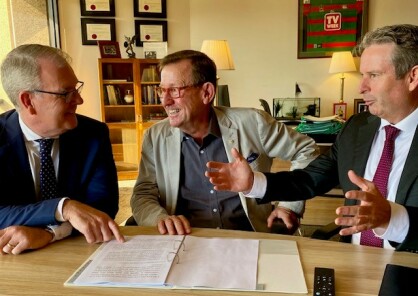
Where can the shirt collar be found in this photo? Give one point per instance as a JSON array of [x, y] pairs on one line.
[[408, 124], [28, 134]]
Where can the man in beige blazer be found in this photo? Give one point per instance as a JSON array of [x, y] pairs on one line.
[[172, 191]]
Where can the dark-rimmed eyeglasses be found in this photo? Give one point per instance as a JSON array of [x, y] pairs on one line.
[[66, 96], [173, 92]]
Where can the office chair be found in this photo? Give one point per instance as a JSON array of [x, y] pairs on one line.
[[265, 106]]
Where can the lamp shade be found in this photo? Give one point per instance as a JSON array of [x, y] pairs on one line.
[[342, 62], [219, 52]]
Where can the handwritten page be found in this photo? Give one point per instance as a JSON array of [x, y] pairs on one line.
[[216, 263], [143, 260]]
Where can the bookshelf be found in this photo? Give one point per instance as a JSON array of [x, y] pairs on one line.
[[129, 105]]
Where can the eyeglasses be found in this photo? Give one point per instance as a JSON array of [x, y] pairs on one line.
[[68, 95], [174, 92]]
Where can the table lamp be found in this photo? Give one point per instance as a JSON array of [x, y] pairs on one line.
[[219, 52], [342, 62]]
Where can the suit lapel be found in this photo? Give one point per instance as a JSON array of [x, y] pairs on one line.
[[363, 144], [409, 173], [18, 162], [173, 157]]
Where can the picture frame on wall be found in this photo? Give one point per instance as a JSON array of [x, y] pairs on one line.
[[360, 106], [150, 31], [325, 26], [93, 30], [109, 49], [150, 8], [97, 7], [340, 109]]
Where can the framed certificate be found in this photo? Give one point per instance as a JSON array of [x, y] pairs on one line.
[[150, 31], [93, 30], [150, 8], [97, 7]]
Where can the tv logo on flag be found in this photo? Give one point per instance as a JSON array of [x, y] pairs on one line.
[[332, 21]]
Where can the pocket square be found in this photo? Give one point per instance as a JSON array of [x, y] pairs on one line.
[[253, 156]]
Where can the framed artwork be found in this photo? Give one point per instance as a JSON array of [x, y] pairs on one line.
[[326, 26], [150, 31], [93, 30], [150, 8], [97, 7], [340, 109], [109, 49], [359, 106]]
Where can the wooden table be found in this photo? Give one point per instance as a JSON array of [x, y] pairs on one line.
[[358, 269]]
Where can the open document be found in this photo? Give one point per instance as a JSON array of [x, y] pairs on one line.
[[185, 262]]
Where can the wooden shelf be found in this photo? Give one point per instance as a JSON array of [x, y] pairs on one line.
[[127, 122]]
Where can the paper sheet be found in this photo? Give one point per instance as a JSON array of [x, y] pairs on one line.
[[216, 263]]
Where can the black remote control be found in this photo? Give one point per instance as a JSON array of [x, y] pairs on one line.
[[324, 284]]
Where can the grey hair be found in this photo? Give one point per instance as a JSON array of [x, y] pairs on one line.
[[20, 70], [405, 38]]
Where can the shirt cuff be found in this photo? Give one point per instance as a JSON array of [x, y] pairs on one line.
[[398, 224], [259, 186], [61, 231], [58, 211]]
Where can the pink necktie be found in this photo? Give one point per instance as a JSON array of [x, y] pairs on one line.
[[380, 179]]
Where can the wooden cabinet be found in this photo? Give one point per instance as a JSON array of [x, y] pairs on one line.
[[129, 105]]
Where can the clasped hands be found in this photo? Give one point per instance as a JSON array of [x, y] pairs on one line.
[[373, 211]]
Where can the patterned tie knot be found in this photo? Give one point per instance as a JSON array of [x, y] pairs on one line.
[[391, 132], [46, 145]]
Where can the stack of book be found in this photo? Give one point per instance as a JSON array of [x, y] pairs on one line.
[[112, 95]]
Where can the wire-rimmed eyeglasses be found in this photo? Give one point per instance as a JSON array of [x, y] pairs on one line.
[[174, 92], [68, 95]]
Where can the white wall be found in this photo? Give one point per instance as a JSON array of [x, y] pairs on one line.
[[262, 36]]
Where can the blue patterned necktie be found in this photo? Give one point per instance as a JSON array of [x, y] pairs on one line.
[[380, 179], [47, 173]]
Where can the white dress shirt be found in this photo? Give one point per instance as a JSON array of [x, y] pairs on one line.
[[32, 146]]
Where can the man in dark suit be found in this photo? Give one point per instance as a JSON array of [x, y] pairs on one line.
[[45, 92], [389, 65]]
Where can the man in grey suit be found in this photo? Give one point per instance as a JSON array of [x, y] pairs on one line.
[[389, 65], [172, 191]]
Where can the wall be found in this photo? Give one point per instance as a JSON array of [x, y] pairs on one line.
[[263, 40], [262, 36], [85, 56]]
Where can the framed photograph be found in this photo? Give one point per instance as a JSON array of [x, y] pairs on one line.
[[359, 106], [97, 7], [150, 31], [340, 109], [150, 8], [326, 26], [93, 30], [109, 49]]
